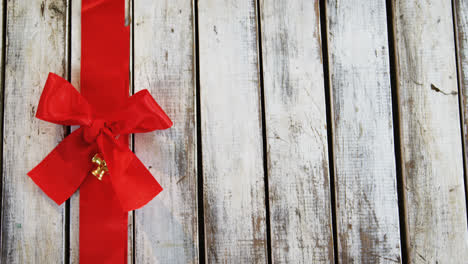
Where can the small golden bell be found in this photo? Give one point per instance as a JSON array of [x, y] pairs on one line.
[[97, 159], [101, 168]]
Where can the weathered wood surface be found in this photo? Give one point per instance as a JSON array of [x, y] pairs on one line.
[[231, 133], [461, 19], [75, 56], [365, 175], [167, 227], [32, 224], [296, 131], [234, 203], [131, 218], [75, 80], [430, 132]]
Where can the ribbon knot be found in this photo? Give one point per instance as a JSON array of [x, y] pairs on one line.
[[65, 168], [90, 133]]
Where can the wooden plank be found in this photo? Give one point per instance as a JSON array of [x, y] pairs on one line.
[[167, 227], [430, 132], [295, 112], [3, 37], [32, 224], [131, 218], [461, 15], [75, 80], [233, 177], [365, 175]]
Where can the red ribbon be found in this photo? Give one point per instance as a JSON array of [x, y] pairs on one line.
[[61, 173], [107, 116]]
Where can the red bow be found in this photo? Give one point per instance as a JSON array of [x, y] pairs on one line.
[[61, 173]]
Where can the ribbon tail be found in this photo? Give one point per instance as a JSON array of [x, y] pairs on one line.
[[61, 173], [132, 182]]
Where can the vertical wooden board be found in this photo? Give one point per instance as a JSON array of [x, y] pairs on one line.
[[2, 37], [167, 227], [75, 80], [130, 223], [233, 177], [461, 14], [365, 175], [32, 224], [430, 132], [296, 129]]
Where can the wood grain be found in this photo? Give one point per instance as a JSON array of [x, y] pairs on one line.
[[233, 176], [131, 218], [75, 80], [167, 227], [32, 224], [365, 175], [461, 20], [296, 129], [430, 132]]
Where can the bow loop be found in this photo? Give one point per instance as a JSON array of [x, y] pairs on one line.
[[62, 104], [140, 114]]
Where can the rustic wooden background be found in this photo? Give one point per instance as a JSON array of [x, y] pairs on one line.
[[306, 131]]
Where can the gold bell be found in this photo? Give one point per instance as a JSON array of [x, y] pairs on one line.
[[101, 168]]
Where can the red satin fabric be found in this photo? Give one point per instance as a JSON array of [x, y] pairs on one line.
[[106, 115], [65, 168]]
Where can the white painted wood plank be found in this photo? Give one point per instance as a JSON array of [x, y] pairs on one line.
[[365, 175], [233, 187], [75, 80], [296, 129], [461, 14], [430, 132], [130, 223], [2, 35], [32, 224], [167, 227]]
